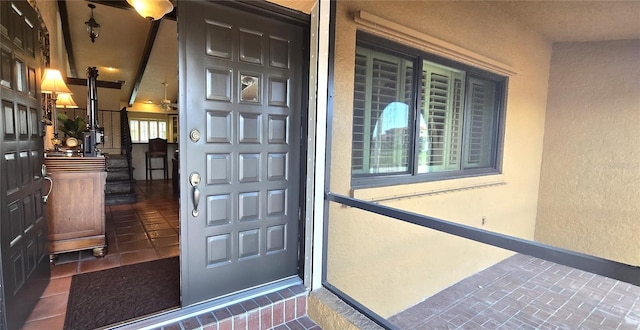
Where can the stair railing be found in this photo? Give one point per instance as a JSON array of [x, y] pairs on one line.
[[126, 146]]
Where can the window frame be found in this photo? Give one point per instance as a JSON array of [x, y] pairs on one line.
[[157, 122], [369, 180]]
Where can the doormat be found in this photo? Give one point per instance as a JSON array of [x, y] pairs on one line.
[[110, 296]]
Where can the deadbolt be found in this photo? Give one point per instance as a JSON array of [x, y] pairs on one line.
[[194, 179], [194, 135]]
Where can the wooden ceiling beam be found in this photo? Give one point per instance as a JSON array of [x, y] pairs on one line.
[[99, 83], [64, 21], [151, 38]]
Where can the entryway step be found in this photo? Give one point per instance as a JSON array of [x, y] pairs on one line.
[[280, 310]]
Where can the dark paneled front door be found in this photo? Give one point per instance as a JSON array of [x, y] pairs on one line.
[[240, 101], [23, 223]]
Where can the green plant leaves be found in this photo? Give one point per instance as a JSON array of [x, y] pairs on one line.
[[72, 127]]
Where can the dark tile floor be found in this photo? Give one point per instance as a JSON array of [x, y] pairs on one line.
[[523, 292], [145, 231]]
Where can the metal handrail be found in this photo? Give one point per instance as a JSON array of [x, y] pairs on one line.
[[605, 267]]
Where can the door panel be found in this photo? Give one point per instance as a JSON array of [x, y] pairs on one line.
[[241, 85], [23, 223]]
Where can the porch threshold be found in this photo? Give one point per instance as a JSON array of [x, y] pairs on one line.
[[330, 312], [261, 308]]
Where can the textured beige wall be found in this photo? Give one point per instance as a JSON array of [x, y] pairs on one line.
[[590, 181], [388, 265]]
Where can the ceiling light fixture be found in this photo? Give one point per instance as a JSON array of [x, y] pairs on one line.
[[152, 9], [93, 28]]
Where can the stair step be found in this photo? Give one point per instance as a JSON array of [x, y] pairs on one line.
[[118, 176], [119, 187], [120, 198], [117, 161]]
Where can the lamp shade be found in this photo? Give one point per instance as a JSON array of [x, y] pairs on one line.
[[65, 101], [52, 82], [153, 9]]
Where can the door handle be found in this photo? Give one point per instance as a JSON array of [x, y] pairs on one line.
[[43, 170], [194, 180], [46, 196]]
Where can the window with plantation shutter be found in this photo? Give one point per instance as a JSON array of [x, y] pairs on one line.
[[441, 102], [417, 117], [481, 119], [383, 85]]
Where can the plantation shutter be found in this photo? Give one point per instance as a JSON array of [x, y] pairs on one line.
[[481, 122], [380, 79], [442, 91], [359, 115]]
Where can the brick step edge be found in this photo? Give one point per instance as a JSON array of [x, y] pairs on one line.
[[264, 312]]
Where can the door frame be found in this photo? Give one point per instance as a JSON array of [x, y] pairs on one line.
[[289, 16]]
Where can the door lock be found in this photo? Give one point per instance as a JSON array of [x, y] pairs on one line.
[[194, 135]]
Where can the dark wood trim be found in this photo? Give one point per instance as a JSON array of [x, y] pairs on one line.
[[64, 22], [99, 83], [151, 38], [122, 4]]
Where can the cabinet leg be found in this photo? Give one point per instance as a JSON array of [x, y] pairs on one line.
[[100, 252]]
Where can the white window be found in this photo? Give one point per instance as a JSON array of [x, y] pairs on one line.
[[144, 129]]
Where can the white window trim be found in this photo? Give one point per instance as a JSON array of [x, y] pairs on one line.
[[158, 121], [375, 24]]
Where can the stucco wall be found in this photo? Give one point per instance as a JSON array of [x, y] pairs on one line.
[[590, 180], [388, 265]]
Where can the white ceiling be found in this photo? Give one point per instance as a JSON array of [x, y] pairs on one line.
[[124, 33]]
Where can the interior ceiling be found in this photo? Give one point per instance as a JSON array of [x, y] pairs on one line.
[[124, 36], [119, 51]]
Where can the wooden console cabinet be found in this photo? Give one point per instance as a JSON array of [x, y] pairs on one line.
[[76, 205]]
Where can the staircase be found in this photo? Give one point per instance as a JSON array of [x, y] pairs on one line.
[[120, 187]]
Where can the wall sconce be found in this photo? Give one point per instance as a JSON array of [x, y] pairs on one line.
[[152, 9], [93, 28], [53, 84]]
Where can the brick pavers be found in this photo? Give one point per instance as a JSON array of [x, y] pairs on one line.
[[524, 292]]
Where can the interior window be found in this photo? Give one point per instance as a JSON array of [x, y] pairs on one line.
[[142, 130]]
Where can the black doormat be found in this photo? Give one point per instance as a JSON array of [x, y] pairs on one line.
[[110, 296]]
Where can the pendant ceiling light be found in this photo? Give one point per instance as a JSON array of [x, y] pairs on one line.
[[151, 9], [93, 28]]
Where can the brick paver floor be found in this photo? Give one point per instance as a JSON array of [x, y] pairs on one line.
[[524, 292]]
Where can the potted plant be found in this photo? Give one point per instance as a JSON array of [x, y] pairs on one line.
[[72, 128]]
